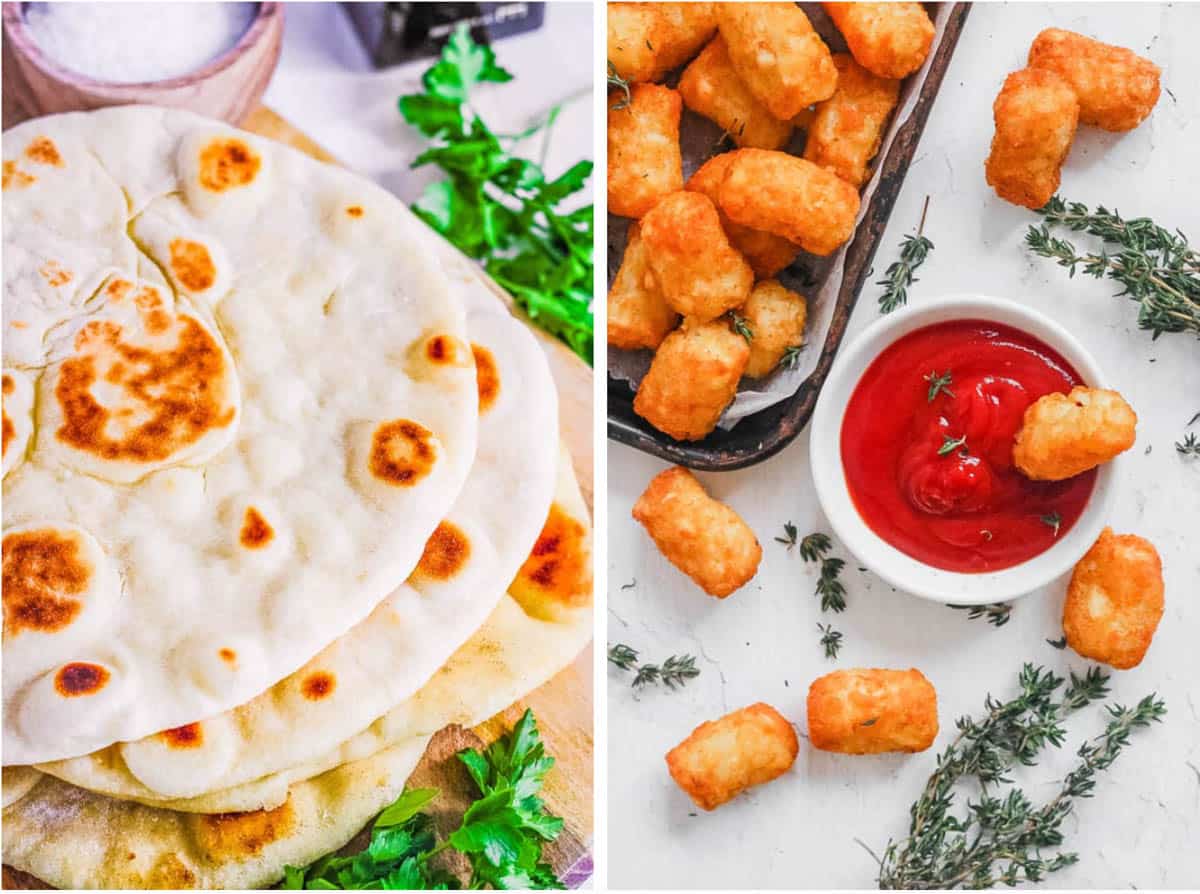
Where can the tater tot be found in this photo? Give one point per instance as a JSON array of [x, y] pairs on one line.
[[1036, 115], [778, 55], [692, 379], [722, 758], [790, 197], [1063, 435], [634, 30], [766, 253], [1115, 600], [775, 315], [638, 314], [701, 275], [847, 128], [1117, 88], [686, 28], [710, 87], [644, 163], [890, 40], [872, 711], [700, 536]]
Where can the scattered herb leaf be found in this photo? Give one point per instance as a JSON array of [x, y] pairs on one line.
[[871, 722], [790, 532], [623, 656], [1189, 446], [949, 445], [630, 585], [1059, 644], [619, 83], [829, 588], [739, 325], [997, 613], [831, 640], [791, 357], [1052, 520], [814, 546], [938, 383]]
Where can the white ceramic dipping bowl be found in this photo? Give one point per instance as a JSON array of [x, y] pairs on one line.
[[897, 568]]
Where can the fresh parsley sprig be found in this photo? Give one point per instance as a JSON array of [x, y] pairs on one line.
[[501, 833], [1157, 268], [500, 208]]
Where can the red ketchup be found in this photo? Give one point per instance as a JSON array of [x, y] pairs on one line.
[[935, 478]]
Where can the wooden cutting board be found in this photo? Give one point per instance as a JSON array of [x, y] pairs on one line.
[[563, 706]]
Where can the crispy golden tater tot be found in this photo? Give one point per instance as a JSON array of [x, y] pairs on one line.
[[711, 88], [701, 275], [634, 30], [887, 39], [766, 253], [778, 55], [722, 758], [1063, 435], [638, 314], [686, 28], [1115, 600], [776, 317], [644, 163], [692, 379], [848, 127], [1117, 88], [700, 536], [1036, 115], [790, 197], [871, 711]]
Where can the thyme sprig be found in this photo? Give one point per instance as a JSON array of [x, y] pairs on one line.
[[1190, 445], [672, 673], [938, 383], [1156, 267], [741, 325], [949, 445], [1000, 838], [831, 640], [791, 357], [997, 613], [899, 275], [790, 533], [814, 546], [615, 80], [833, 594]]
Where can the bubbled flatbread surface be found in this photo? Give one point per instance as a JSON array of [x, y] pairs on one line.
[[72, 838], [253, 400], [537, 629], [482, 543]]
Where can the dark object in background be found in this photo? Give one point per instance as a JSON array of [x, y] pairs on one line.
[[400, 32]]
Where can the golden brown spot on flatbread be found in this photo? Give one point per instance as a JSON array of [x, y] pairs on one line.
[[10, 430], [231, 836], [54, 274], [446, 551], [192, 264], [188, 736], [43, 151], [318, 685], [44, 576], [175, 388], [402, 452], [19, 324], [227, 655], [227, 163], [149, 303], [14, 176], [487, 377], [256, 531], [80, 678], [168, 873], [440, 349], [355, 211], [117, 289], [558, 566]]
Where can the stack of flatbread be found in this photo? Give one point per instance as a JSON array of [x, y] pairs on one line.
[[283, 496]]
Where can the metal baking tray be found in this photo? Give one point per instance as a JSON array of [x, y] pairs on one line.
[[765, 433]]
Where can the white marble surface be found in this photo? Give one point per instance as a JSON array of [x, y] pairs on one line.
[[1143, 827], [326, 86]]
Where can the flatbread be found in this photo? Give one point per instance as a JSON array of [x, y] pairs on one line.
[[253, 403], [71, 838], [390, 655], [527, 640]]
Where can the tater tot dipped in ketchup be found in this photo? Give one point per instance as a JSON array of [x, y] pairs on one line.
[[701, 275], [700, 536], [1116, 87], [1036, 115], [872, 711], [778, 55], [847, 128], [722, 758], [1063, 435], [765, 252], [644, 162], [1115, 600], [890, 40], [789, 197]]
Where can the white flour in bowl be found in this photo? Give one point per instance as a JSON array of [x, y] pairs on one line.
[[131, 43]]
